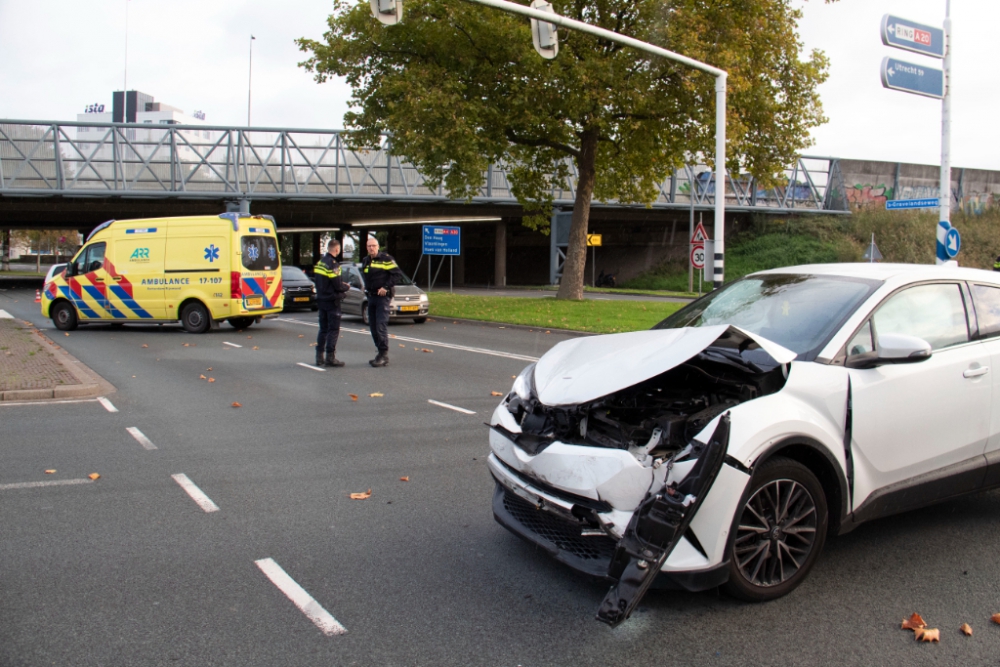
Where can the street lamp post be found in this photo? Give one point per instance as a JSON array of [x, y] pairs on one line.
[[390, 12]]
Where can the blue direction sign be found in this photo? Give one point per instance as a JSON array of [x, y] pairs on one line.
[[910, 78], [907, 35], [912, 203], [442, 240], [952, 243]]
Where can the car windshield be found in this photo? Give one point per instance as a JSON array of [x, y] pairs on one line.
[[798, 311], [292, 273]]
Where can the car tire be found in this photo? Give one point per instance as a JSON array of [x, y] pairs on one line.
[[241, 322], [195, 318], [64, 316], [364, 312], [419, 320], [772, 550]]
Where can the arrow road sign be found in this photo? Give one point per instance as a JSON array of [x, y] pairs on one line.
[[912, 203], [909, 36], [910, 78], [952, 243]]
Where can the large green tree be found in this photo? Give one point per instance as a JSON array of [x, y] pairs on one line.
[[459, 86]]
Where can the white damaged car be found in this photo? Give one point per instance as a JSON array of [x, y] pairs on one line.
[[721, 447]]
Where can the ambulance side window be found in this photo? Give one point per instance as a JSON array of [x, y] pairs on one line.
[[90, 259]]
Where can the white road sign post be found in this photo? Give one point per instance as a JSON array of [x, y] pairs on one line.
[[382, 11]]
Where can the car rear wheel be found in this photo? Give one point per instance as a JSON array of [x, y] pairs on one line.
[[195, 318], [64, 316], [240, 322], [364, 312], [419, 320], [778, 533]]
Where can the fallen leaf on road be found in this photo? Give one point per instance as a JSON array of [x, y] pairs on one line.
[[995, 618], [966, 629], [501, 327], [313, 344], [496, 393], [913, 622], [927, 635], [376, 394], [513, 377], [249, 336], [237, 405], [404, 479], [361, 496], [392, 336], [144, 345], [255, 347], [208, 369], [401, 345], [426, 350], [354, 397], [133, 376], [302, 335], [187, 344], [211, 379], [202, 377], [49, 472], [67, 334], [93, 475], [548, 332]]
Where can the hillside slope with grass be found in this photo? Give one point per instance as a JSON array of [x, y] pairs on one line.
[[901, 236]]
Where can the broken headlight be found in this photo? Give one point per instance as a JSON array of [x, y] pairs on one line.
[[524, 385]]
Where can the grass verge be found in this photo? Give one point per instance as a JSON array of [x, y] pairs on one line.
[[22, 274], [549, 313]]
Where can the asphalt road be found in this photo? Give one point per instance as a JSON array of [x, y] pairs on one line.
[[131, 570]]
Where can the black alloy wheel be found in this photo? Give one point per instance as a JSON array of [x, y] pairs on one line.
[[195, 318], [779, 532], [64, 316]]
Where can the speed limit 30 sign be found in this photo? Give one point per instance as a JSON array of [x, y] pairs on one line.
[[698, 256]]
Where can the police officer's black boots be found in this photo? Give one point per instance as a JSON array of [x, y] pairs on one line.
[[320, 361], [381, 360], [332, 361]]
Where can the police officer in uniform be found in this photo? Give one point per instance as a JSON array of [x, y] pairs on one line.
[[996, 264], [330, 290], [381, 275]]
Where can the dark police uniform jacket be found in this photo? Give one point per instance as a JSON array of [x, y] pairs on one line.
[[380, 271], [330, 288]]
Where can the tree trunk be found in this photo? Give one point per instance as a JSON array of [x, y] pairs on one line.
[[571, 286]]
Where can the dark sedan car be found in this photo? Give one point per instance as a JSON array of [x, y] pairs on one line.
[[299, 290]]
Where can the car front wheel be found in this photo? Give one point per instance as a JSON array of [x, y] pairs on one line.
[[64, 316], [364, 312], [779, 532]]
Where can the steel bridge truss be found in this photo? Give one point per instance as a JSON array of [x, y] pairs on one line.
[[212, 162]]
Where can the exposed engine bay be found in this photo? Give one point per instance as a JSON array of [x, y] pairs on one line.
[[659, 416]]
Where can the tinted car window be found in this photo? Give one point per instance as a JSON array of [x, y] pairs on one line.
[[935, 313], [987, 300], [259, 253], [292, 273], [90, 259], [800, 312]]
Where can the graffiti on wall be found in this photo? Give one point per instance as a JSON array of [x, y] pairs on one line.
[[868, 196]]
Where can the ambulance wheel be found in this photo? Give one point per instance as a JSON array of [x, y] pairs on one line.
[[194, 318], [64, 316], [241, 322]]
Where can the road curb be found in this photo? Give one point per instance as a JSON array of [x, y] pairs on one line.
[[506, 325]]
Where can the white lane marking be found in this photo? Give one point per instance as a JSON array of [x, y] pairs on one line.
[[140, 438], [45, 402], [108, 405], [196, 494], [234, 344], [315, 368], [32, 485], [451, 407], [4, 315], [421, 341], [298, 595]]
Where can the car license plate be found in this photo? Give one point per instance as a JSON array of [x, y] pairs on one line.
[[409, 309], [254, 301], [301, 298]]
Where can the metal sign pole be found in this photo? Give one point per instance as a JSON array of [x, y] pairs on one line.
[[451, 278], [945, 203]]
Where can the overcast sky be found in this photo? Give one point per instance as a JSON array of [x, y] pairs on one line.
[[60, 55]]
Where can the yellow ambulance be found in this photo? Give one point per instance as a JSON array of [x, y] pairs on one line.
[[198, 271]]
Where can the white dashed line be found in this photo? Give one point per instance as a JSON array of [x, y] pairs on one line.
[[44, 402], [421, 341], [140, 438], [57, 482], [310, 366], [298, 595], [196, 494], [108, 405], [234, 344], [451, 407]]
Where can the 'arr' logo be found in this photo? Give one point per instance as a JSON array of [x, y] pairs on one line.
[[140, 253]]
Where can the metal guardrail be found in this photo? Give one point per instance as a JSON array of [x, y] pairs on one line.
[[142, 160]]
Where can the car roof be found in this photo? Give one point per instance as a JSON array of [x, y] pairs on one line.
[[885, 272]]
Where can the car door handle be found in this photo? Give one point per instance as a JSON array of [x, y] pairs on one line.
[[976, 372]]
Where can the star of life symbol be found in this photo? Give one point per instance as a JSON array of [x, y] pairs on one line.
[[211, 253], [253, 253], [272, 253]]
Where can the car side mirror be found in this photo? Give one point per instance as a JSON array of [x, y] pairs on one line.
[[70, 270], [893, 349]]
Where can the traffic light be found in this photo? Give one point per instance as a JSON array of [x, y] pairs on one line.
[[543, 34], [389, 12]]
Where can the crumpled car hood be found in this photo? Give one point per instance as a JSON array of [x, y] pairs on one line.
[[584, 369]]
